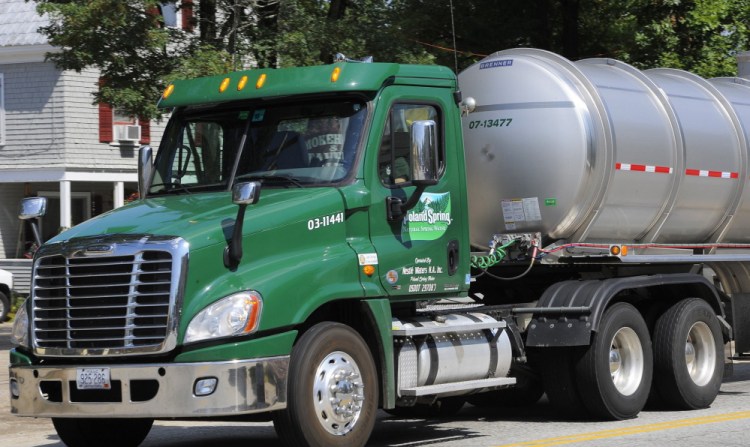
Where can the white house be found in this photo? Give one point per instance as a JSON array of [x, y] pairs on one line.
[[53, 141]]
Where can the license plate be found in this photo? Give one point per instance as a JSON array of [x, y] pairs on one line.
[[93, 379]]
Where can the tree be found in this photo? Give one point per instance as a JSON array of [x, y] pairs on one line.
[[702, 36], [138, 57], [122, 39]]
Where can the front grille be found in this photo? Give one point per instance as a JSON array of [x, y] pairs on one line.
[[103, 305]]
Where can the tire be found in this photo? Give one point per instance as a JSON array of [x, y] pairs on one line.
[[526, 392], [615, 373], [559, 379], [98, 432], [330, 362], [4, 307], [688, 355]]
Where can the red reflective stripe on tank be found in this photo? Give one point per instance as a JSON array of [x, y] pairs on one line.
[[643, 168], [714, 174]]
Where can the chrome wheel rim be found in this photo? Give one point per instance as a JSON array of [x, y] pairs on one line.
[[700, 353], [626, 361], [338, 393]]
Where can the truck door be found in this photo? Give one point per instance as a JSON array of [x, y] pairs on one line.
[[420, 253]]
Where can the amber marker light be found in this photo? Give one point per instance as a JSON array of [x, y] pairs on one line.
[[261, 80], [241, 84], [168, 91], [335, 74], [224, 85], [368, 270], [618, 250]]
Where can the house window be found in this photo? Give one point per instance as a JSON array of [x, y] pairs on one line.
[[116, 126], [120, 118], [174, 14], [169, 14], [2, 110]]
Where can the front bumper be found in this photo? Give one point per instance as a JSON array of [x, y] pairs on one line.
[[152, 390]]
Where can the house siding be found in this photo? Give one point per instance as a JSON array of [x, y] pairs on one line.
[[82, 147], [33, 116]]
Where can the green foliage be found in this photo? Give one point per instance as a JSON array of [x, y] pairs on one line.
[[138, 57], [122, 40], [702, 36]]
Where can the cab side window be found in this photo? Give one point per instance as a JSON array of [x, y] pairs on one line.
[[394, 157]]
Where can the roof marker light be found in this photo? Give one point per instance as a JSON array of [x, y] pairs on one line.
[[224, 85], [261, 80], [241, 84], [168, 91], [335, 74]]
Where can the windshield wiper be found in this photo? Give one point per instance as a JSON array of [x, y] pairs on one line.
[[275, 178], [176, 187]]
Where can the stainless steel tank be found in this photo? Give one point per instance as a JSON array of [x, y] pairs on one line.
[[599, 151]]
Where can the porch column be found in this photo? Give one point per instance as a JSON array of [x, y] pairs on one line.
[[65, 219], [119, 193]]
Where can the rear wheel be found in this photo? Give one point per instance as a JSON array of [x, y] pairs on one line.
[[98, 432], [614, 375], [688, 355], [332, 390], [558, 376]]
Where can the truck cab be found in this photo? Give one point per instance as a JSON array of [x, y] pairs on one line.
[[283, 207]]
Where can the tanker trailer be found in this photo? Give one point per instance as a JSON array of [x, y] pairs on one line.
[[628, 189], [598, 151]]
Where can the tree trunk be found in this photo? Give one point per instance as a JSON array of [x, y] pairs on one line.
[[207, 21], [336, 12], [570, 28], [543, 36], [268, 24]]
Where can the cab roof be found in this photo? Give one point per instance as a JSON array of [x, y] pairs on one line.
[[266, 83]]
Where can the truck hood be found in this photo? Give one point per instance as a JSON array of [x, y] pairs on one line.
[[208, 218]]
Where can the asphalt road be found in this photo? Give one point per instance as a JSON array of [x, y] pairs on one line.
[[726, 423]]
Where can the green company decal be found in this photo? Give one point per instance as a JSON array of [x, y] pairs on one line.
[[430, 217]]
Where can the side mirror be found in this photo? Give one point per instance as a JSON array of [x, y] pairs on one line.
[[243, 194], [424, 153], [246, 193], [145, 170], [424, 167], [32, 207]]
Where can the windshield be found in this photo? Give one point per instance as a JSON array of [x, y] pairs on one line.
[[280, 145]]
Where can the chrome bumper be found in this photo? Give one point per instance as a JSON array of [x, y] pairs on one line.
[[153, 390]]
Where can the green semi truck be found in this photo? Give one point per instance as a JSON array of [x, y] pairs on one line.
[[314, 244]]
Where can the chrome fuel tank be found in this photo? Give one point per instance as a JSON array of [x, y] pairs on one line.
[[599, 151]]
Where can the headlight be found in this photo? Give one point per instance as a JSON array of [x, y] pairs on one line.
[[236, 314], [19, 335]]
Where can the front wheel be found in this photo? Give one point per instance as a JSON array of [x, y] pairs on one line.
[[332, 390], [688, 352], [614, 375], [99, 432]]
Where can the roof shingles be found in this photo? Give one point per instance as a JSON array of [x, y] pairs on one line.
[[19, 24]]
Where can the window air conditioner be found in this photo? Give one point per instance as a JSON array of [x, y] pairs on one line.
[[128, 133]]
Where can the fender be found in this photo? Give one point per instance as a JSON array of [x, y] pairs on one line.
[[568, 312]]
